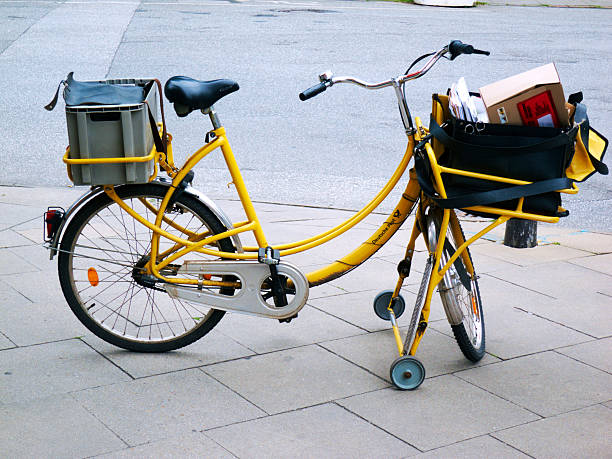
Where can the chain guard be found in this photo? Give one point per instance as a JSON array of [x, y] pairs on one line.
[[248, 298]]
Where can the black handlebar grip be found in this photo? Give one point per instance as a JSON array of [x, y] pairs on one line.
[[311, 92], [457, 47]]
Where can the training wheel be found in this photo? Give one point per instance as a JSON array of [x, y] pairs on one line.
[[407, 373], [381, 303]]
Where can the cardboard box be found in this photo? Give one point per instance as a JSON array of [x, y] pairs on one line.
[[533, 98]]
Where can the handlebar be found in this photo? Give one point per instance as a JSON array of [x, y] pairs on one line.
[[455, 48]]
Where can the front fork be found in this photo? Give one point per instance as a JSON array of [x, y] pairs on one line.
[[431, 278]]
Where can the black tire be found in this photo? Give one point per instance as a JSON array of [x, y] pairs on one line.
[[459, 291], [125, 308]]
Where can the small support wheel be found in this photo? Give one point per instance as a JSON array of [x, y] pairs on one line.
[[381, 303], [407, 373]]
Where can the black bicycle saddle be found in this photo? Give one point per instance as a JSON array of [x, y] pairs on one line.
[[188, 94]]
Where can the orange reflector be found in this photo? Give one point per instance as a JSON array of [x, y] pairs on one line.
[[207, 276], [474, 306], [92, 276]]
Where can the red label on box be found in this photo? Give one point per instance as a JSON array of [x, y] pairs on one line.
[[539, 110]]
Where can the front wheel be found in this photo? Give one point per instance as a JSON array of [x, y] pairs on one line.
[[459, 292], [101, 270]]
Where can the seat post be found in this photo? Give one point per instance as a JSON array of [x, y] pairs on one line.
[[214, 119]]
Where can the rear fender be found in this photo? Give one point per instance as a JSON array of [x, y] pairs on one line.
[[53, 245]]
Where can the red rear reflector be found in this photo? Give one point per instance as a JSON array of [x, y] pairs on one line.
[[52, 219], [49, 220]]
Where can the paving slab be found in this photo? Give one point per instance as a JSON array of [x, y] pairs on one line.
[[276, 382], [601, 263], [13, 264], [212, 348], [587, 312], [597, 353], [191, 445], [5, 342], [531, 256], [324, 291], [546, 383], [561, 280], [8, 295], [11, 238], [588, 241], [263, 335], [33, 235], [484, 446], [377, 351], [322, 431], [27, 323], [581, 433], [37, 256], [53, 427], [512, 331], [12, 214], [441, 412], [37, 286], [53, 368], [31, 199], [159, 407]]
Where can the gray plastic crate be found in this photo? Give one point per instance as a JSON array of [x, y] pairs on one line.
[[112, 131]]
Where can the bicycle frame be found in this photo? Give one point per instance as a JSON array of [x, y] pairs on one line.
[[198, 242]]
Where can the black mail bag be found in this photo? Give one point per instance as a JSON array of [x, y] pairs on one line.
[[534, 154]]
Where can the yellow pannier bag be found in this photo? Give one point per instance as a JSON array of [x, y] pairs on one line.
[[588, 160], [590, 145]]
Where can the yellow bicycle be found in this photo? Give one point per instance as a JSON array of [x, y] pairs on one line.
[[153, 267]]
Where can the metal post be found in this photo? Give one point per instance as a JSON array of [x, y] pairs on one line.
[[521, 234]]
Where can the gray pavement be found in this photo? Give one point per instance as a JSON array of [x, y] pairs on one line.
[[319, 386]]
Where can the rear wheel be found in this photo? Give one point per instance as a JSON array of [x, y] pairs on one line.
[[101, 269], [459, 293]]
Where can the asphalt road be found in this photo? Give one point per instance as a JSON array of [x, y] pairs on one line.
[[334, 150]]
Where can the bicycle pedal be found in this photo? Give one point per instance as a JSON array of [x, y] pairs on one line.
[[287, 319]]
